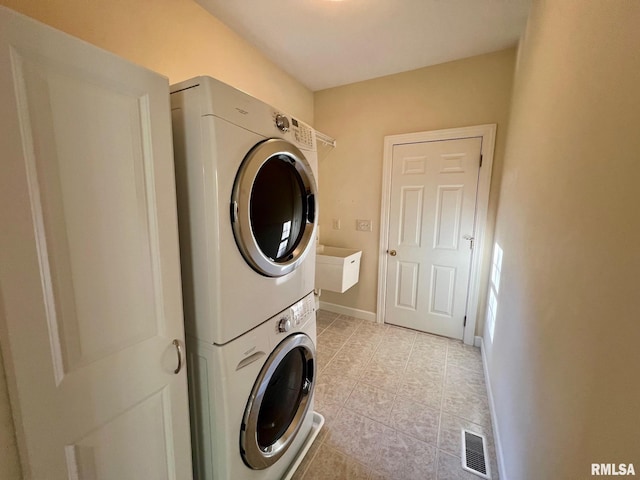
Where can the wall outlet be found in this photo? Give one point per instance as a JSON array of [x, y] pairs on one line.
[[363, 225], [336, 223]]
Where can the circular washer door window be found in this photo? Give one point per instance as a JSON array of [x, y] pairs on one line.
[[279, 402], [273, 207]]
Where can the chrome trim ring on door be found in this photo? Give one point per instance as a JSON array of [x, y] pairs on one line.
[[255, 455], [241, 207]]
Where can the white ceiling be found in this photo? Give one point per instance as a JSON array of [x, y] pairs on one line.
[[326, 43]]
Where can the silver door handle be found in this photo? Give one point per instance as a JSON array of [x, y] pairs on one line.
[[471, 239], [393, 253], [176, 342]]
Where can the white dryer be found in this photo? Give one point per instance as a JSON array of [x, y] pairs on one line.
[[251, 400], [247, 208]]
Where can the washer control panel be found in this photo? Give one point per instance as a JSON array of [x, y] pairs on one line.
[[296, 315], [301, 310]]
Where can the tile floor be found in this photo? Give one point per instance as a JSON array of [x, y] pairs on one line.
[[394, 401]]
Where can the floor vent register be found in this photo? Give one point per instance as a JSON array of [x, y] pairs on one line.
[[474, 454]]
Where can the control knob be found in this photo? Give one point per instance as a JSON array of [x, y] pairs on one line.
[[282, 122], [284, 325]]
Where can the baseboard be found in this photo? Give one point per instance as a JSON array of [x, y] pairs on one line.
[[492, 410], [352, 312], [477, 341]]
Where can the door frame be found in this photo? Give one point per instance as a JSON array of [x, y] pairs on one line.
[[488, 134]]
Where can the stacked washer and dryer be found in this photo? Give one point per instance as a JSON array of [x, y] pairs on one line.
[[247, 205]]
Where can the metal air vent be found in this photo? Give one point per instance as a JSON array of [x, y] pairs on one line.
[[474, 454]]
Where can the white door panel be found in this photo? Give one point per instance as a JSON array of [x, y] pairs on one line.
[[432, 208], [90, 268]]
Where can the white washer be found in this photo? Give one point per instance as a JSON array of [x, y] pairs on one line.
[[251, 400], [247, 208]]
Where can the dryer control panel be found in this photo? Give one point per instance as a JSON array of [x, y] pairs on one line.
[[294, 130], [302, 132]]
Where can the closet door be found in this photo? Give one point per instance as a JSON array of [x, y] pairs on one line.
[[90, 299]]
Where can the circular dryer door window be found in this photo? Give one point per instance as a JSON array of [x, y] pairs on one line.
[[273, 207], [279, 402]]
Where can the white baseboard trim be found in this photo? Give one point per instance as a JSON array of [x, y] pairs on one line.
[[492, 410], [477, 341], [353, 312]]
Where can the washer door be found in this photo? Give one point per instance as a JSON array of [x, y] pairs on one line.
[[273, 207], [279, 402]]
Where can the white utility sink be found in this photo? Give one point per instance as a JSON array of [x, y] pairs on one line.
[[337, 269]]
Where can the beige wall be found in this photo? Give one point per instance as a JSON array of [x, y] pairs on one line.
[[472, 91], [565, 356], [176, 38]]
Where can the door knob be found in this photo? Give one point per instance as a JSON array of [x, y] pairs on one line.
[[471, 239], [393, 253]]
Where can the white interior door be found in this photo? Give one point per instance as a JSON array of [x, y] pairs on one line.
[[431, 224], [90, 296]]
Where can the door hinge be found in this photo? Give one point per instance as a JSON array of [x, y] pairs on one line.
[[480, 159], [465, 321]]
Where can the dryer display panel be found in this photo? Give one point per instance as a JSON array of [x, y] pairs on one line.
[[273, 208]]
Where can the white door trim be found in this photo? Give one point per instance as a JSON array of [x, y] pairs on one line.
[[488, 135]]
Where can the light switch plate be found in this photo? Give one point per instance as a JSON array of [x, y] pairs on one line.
[[363, 225]]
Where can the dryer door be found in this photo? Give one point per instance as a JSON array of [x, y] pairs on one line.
[[279, 402], [273, 208]]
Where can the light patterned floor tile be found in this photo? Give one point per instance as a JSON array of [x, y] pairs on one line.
[[358, 436], [390, 360], [427, 362], [400, 333], [330, 464], [324, 356], [311, 453], [330, 339], [426, 341], [465, 356], [384, 376], [324, 319], [467, 405], [371, 402], [394, 402], [405, 458], [333, 390], [424, 388], [415, 419], [348, 363], [464, 380], [329, 411]]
